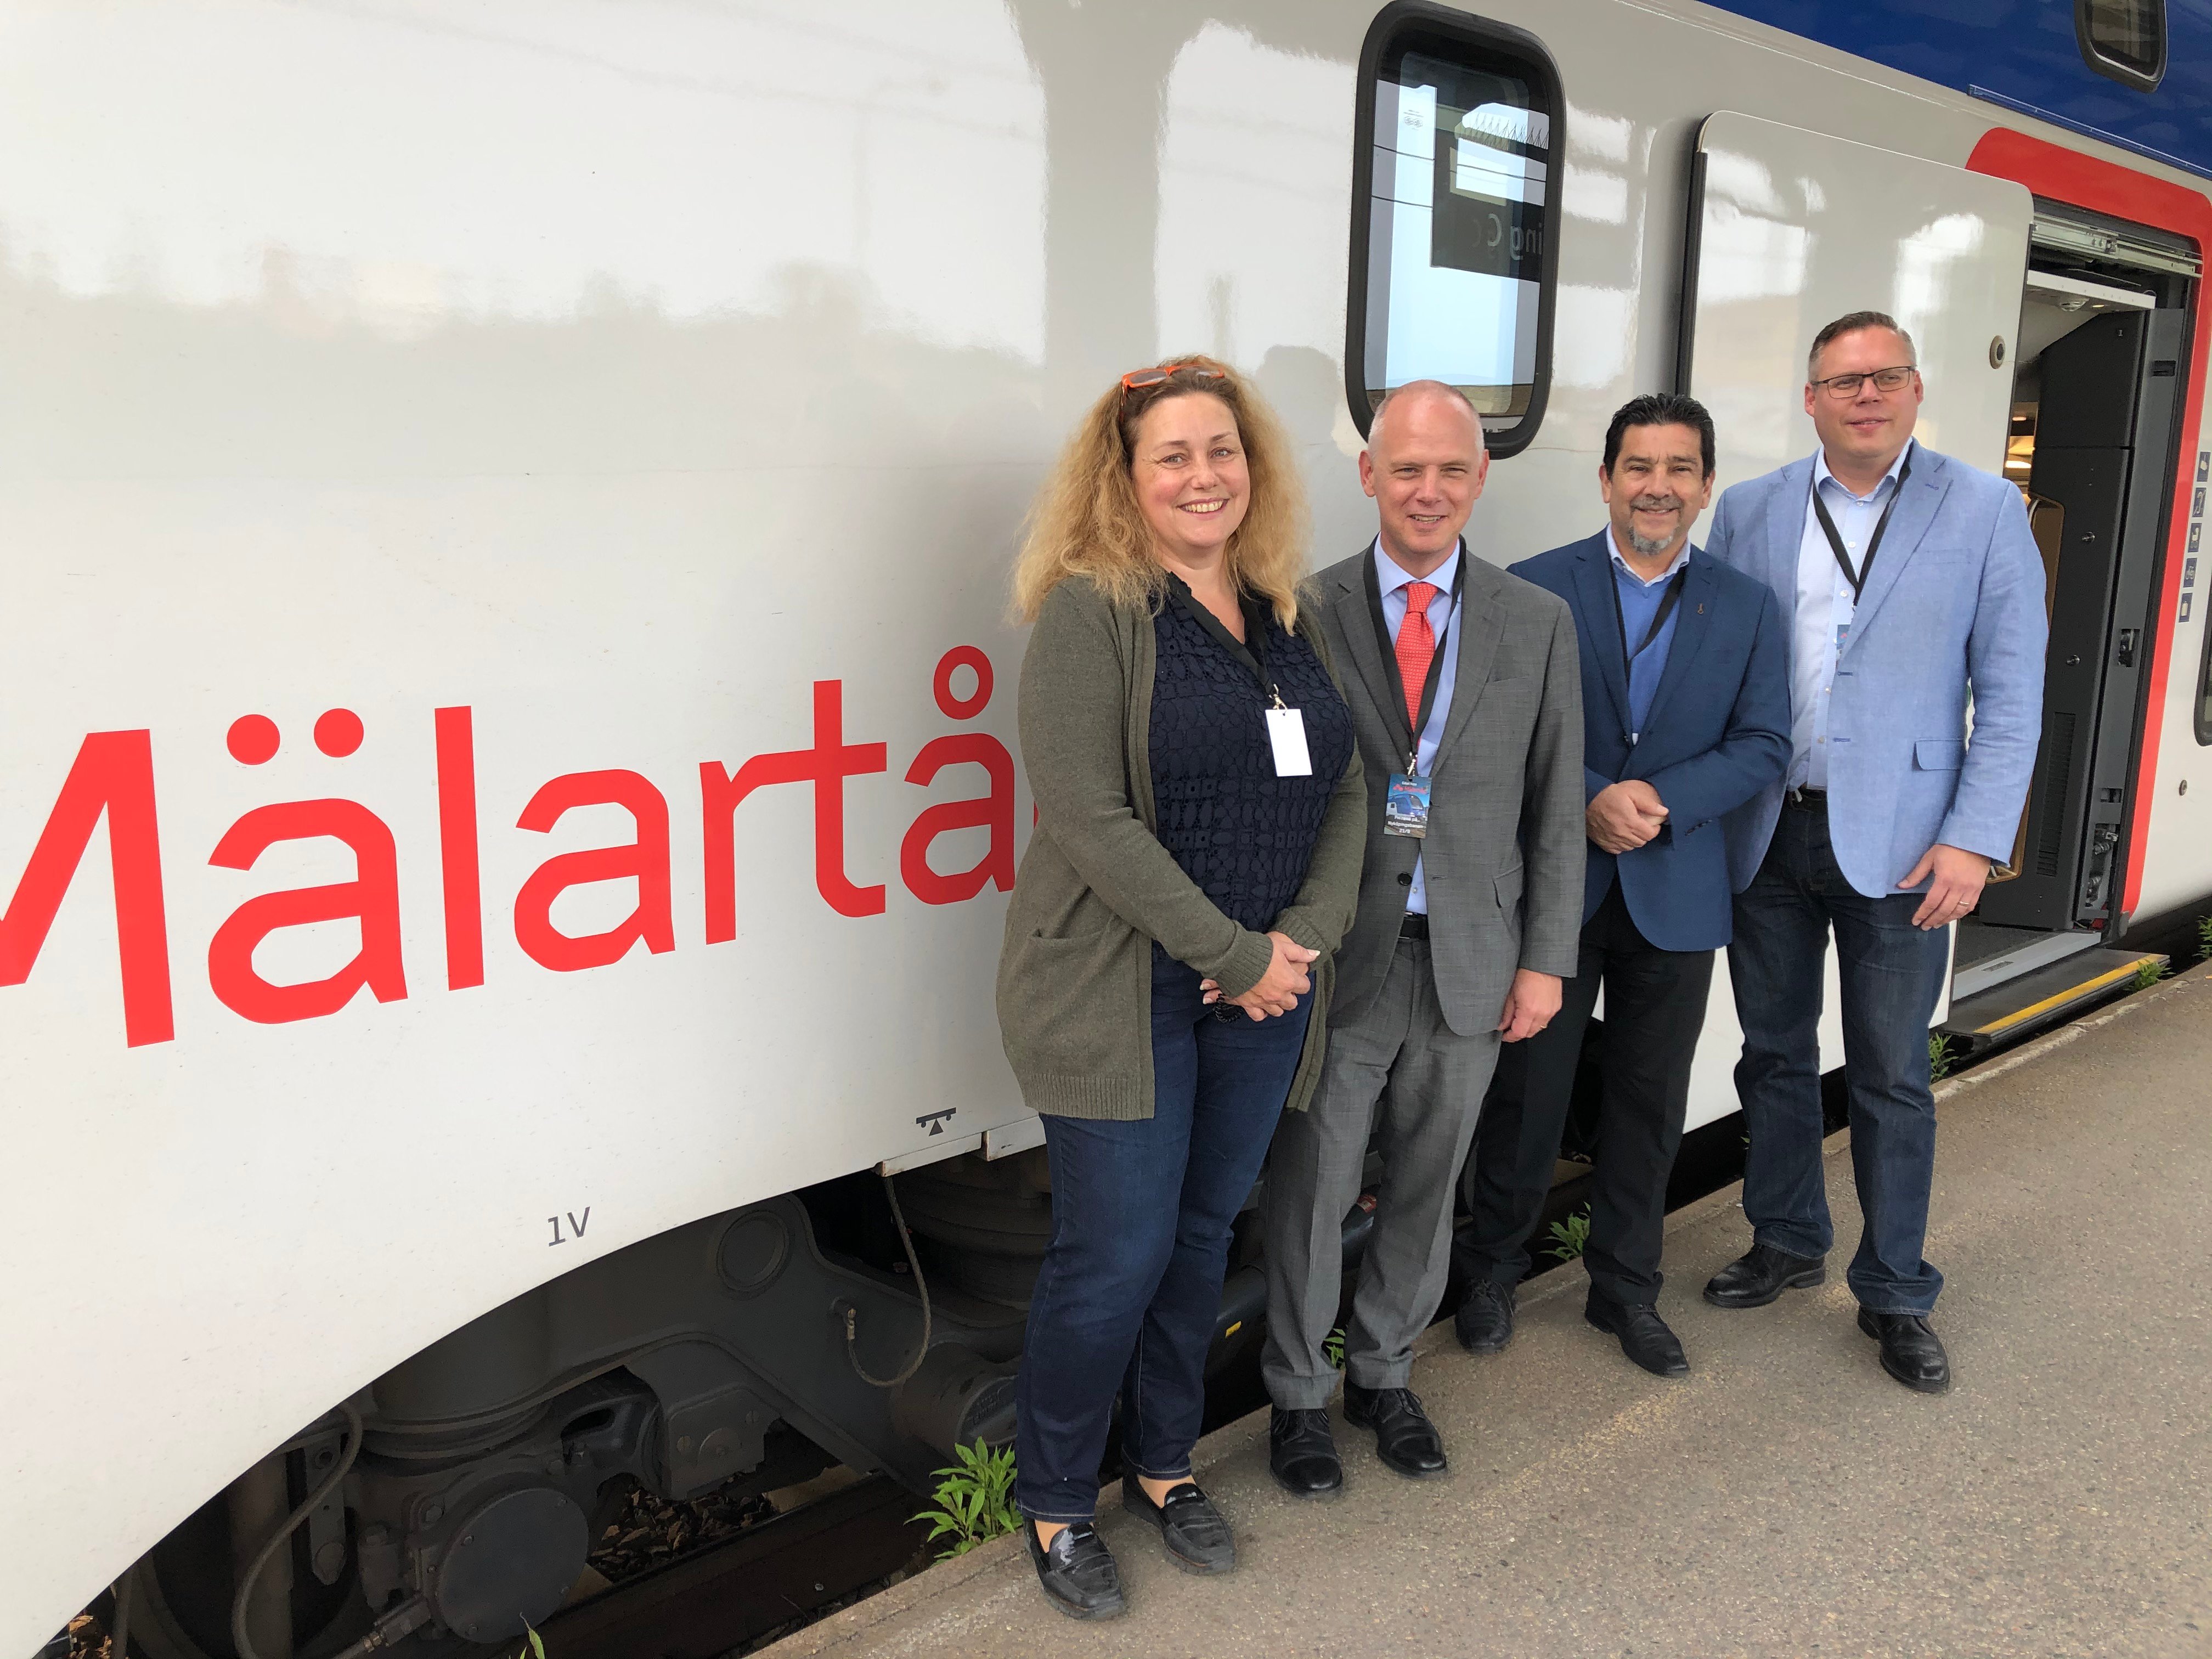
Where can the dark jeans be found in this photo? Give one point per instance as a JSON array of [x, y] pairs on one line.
[[1891, 973], [1655, 1006], [1132, 1280]]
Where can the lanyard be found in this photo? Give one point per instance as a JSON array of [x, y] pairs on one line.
[[1857, 578], [1668, 601], [1389, 647], [1251, 650]]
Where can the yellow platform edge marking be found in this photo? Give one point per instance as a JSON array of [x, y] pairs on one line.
[[2125, 971]]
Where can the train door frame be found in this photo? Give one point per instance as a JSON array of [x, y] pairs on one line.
[[2104, 454], [2097, 186]]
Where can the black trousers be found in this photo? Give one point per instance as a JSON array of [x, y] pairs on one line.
[[1655, 1006]]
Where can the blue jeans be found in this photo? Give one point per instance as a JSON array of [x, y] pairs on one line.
[[1891, 973], [1131, 1284]]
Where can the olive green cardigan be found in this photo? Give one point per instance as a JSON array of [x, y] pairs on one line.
[[1096, 887]]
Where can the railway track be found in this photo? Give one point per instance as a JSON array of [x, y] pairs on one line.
[[770, 1578]]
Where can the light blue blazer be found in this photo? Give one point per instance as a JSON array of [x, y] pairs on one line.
[[1954, 602]]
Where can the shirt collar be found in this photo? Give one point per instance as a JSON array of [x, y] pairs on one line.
[[1389, 577], [1620, 564], [1821, 475]]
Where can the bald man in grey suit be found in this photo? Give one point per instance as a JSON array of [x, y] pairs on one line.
[[1466, 694]]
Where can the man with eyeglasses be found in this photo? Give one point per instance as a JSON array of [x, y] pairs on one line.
[[1913, 585]]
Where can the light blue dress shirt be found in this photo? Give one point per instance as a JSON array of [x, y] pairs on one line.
[[1639, 603], [1825, 605], [1392, 580]]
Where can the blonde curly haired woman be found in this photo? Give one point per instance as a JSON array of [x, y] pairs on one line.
[[1201, 824]]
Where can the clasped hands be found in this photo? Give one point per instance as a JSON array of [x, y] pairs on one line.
[[1622, 817], [1279, 987]]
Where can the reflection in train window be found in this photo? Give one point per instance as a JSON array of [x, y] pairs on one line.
[[2123, 39], [1453, 258]]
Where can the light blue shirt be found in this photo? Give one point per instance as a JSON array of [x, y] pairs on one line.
[[1825, 605], [1392, 580], [1639, 603]]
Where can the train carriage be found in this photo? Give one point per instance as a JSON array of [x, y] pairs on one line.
[[507, 780]]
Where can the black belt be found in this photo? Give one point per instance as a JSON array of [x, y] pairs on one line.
[[1412, 926], [1801, 796]]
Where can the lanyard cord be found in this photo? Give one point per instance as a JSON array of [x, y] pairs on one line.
[[1668, 601], [1389, 649], [1251, 650], [1857, 578]]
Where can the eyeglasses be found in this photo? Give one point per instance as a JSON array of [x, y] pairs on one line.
[[1143, 380], [1842, 386]]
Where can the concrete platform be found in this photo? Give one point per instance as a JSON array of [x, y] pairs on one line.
[[1787, 1500]]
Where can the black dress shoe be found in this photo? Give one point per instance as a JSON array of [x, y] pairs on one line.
[[1198, 1539], [1911, 1351], [1078, 1572], [1302, 1453], [1484, 1323], [1761, 1274], [1404, 1437], [1644, 1335]]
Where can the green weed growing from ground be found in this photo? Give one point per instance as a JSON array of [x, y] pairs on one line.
[[2204, 938], [1332, 1347], [975, 1500], [2149, 972], [1939, 1057], [1572, 1235]]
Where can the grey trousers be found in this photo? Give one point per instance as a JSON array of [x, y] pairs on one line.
[[1402, 1075]]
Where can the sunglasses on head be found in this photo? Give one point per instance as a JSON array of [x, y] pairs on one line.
[[1143, 380]]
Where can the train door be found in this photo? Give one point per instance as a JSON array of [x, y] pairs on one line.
[[1789, 229]]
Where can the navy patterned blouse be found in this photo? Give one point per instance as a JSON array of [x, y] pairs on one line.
[[1243, 834]]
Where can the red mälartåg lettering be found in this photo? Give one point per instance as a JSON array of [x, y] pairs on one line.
[[113, 776]]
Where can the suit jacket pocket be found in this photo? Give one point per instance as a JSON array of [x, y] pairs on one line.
[[1938, 755], [1507, 885]]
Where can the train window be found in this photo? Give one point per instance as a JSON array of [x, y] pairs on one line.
[[1453, 256], [2123, 39]]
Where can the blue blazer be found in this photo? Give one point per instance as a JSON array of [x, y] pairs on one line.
[[1953, 603], [1717, 735]]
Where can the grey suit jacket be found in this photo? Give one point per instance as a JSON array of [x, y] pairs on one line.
[[1503, 858]]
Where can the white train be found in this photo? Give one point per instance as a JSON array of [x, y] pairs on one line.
[[507, 791]]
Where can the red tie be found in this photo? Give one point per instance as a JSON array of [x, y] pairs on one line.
[[1417, 647]]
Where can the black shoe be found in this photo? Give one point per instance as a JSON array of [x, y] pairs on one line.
[[1484, 1323], [1761, 1274], [1644, 1335], [1198, 1539], [1404, 1437], [1302, 1453], [1078, 1572], [1911, 1351]]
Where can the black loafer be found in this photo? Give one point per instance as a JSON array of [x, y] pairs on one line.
[[1197, 1538], [1484, 1323], [1761, 1274], [1644, 1335], [1404, 1437], [1078, 1572], [1302, 1453], [1911, 1351]]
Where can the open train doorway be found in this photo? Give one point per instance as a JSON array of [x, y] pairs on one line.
[[2101, 363]]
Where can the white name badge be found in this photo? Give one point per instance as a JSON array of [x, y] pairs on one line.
[[1286, 730]]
